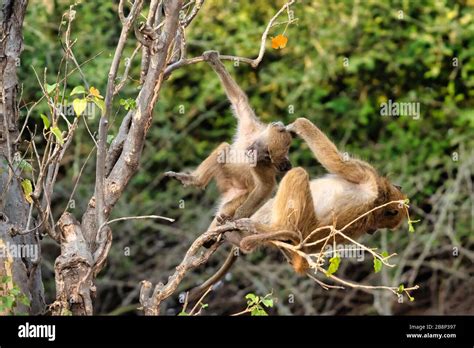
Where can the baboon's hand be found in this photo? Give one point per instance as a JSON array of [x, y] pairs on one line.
[[211, 56], [245, 225], [184, 178], [278, 125], [297, 127], [222, 219]]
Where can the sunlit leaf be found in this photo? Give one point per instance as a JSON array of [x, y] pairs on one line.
[[78, 90], [267, 302], [57, 133], [27, 189], [50, 88], [95, 92], [100, 103], [46, 122], [79, 105], [377, 265], [334, 263]]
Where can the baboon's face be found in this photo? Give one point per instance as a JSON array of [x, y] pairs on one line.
[[393, 214], [273, 145]]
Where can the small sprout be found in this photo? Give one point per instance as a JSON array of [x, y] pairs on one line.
[[377, 265], [334, 263]]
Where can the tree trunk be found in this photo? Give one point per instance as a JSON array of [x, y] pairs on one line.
[[25, 271]]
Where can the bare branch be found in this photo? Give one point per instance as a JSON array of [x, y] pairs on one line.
[[252, 62], [104, 120], [151, 303]]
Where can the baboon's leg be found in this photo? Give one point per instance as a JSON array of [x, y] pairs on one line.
[[293, 216], [293, 208]]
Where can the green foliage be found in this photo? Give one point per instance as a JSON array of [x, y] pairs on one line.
[[128, 103], [256, 304], [12, 296]]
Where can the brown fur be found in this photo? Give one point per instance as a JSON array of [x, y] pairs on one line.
[[352, 189], [244, 185]]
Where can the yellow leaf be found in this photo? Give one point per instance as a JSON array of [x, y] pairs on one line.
[[279, 41], [79, 105], [95, 92], [27, 189]]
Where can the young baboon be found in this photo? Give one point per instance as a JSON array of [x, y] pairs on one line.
[[245, 171], [352, 188]]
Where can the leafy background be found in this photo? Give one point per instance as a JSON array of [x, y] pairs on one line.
[[426, 57]]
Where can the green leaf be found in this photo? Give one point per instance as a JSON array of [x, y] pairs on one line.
[[57, 133], [334, 263], [128, 103], [377, 265], [267, 302], [401, 288], [24, 300], [411, 229], [183, 314], [78, 90], [110, 138], [5, 279], [100, 103], [8, 301], [384, 254], [79, 105], [27, 189], [46, 122], [258, 311], [251, 298], [204, 305], [50, 88], [25, 165]]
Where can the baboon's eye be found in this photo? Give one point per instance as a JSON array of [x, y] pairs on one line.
[[398, 187], [392, 212]]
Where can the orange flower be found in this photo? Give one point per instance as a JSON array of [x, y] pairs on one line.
[[279, 41], [95, 92]]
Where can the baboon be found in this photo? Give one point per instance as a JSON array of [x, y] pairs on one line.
[[244, 185], [352, 188], [245, 172]]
